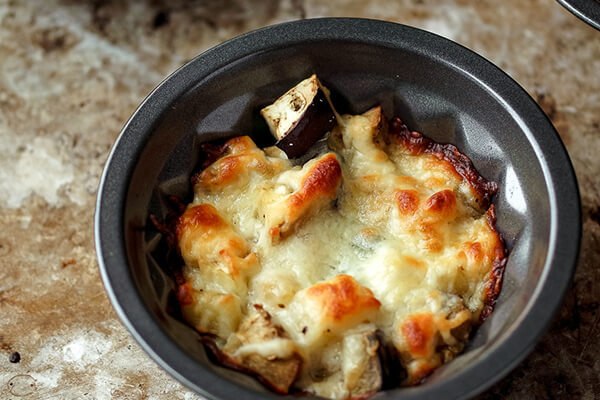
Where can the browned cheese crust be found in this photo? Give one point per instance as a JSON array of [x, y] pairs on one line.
[[415, 143], [366, 267]]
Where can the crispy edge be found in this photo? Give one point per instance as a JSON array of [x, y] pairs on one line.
[[494, 284], [415, 143]]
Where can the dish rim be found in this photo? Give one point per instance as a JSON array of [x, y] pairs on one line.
[[586, 10], [502, 356]]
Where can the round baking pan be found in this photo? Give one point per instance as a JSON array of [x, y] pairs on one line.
[[436, 86], [586, 10]]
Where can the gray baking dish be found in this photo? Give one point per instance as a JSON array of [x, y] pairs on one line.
[[436, 86], [586, 10]]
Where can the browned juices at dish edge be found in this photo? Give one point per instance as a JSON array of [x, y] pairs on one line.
[[257, 319]]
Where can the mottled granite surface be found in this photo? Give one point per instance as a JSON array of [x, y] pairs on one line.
[[71, 73]]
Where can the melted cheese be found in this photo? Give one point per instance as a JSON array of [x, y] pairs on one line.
[[285, 113], [280, 348], [368, 236], [327, 310]]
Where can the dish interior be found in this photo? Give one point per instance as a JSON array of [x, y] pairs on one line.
[[432, 97]]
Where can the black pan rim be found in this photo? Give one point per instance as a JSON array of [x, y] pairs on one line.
[[502, 356], [586, 10]]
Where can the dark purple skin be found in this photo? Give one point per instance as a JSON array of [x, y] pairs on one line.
[[317, 120]]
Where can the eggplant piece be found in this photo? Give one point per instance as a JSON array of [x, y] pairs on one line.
[[361, 365], [348, 368], [392, 368], [300, 117], [263, 349]]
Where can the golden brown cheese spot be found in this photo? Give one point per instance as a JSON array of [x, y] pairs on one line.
[[214, 253], [201, 229], [203, 216], [441, 203], [240, 157], [222, 172], [418, 332], [240, 144], [203, 222], [317, 188], [237, 245], [413, 262], [407, 200], [475, 251], [322, 180], [274, 231], [342, 297], [438, 208]]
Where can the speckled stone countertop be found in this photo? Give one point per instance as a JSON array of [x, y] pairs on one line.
[[72, 72]]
